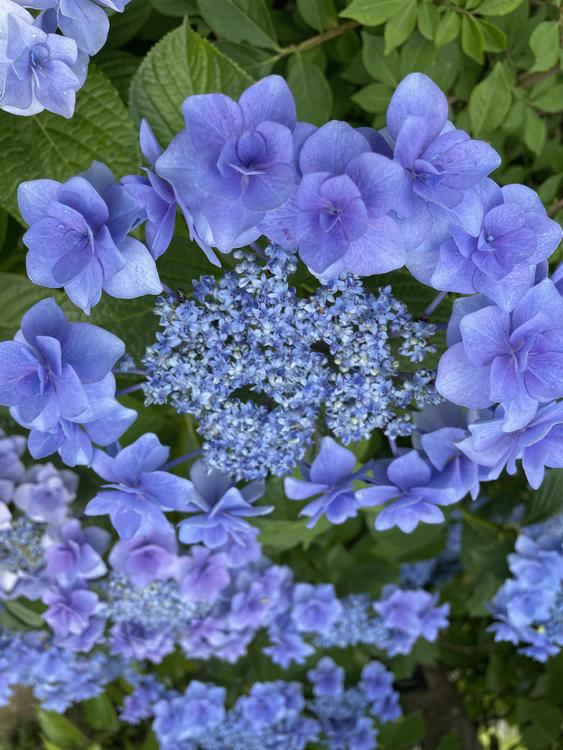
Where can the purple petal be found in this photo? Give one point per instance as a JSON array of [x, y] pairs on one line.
[[417, 95], [331, 148]]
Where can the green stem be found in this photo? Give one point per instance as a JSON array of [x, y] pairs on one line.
[[313, 41]]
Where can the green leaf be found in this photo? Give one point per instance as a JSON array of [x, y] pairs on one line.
[[380, 67], [544, 43], [183, 262], [472, 39], [312, 92], [448, 28], [550, 100], [374, 97], [405, 733], [100, 713], [124, 26], [535, 131], [175, 8], [119, 67], [47, 145], [318, 14], [490, 101], [18, 295], [417, 54], [3, 227], [279, 535], [428, 19], [199, 68], [24, 614], [372, 12], [541, 722], [548, 500], [498, 7], [494, 39], [400, 26], [61, 731], [240, 21]]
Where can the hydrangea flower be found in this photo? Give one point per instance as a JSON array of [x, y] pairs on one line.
[[45, 493], [203, 574], [189, 716], [515, 359], [440, 163], [314, 608], [56, 377], [500, 262], [146, 558], [82, 20], [154, 196], [439, 430], [69, 609], [331, 476], [233, 162], [408, 485], [219, 508], [78, 238], [138, 490], [539, 444], [12, 469], [327, 678], [342, 204], [77, 553], [37, 70]]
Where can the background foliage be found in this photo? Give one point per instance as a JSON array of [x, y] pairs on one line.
[[499, 63]]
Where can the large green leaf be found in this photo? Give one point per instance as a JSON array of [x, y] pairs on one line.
[[373, 12], [47, 145], [181, 64], [240, 21], [312, 92], [544, 43], [548, 500], [490, 102]]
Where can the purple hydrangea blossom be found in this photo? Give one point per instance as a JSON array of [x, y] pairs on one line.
[[515, 359], [12, 469], [45, 493], [82, 20], [342, 204], [138, 490], [154, 196], [37, 70], [539, 444], [203, 574], [331, 476], [219, 508], [441, 165], [314, 608], [146, 558], [327, 678], [69, 609], [410, 487], [234, 162], [499, 262], [56, 377], [189, 716], [78, 238], [409, 615], [76, 554], [439, 430]]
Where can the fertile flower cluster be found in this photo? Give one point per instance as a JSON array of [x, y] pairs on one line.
[[210, 602], [40, 68], [273, 714], [257, 364], [528, 608]]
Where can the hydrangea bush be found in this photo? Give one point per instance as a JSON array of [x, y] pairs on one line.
[[281, 455]]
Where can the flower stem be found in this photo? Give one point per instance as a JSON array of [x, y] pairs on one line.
[[180, 460], [427, 312], [129, 389]]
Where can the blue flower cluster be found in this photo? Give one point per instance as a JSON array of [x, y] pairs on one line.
[[40, 68], [275, 715], [528, 608], [144, 597], [256, 363]]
